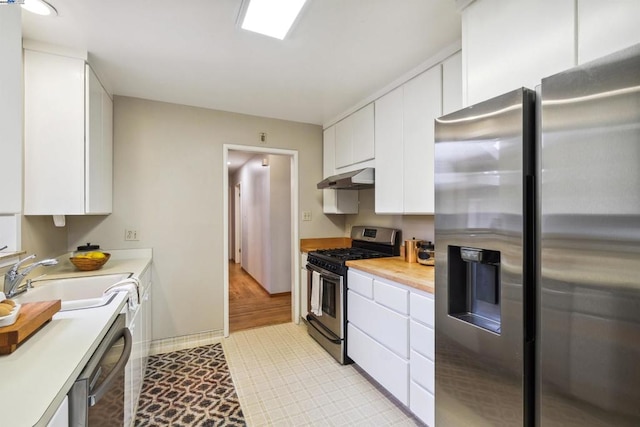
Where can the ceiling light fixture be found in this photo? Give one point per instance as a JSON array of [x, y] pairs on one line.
[[273, 18], [39, 7]]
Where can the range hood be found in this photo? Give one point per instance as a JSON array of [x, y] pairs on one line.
[[354, 180]]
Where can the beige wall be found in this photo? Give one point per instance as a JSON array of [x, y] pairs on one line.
[[41, 237], [168, 185], [419, 226]]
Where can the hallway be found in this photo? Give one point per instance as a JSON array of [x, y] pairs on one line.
[[250, 306]]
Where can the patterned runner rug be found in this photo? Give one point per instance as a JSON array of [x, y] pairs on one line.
[[190, 387]]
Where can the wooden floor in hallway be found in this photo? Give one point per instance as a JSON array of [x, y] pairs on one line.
[[250, 306]]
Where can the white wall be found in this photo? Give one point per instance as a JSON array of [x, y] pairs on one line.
[[254, 179], [168, 185], [280, 224]]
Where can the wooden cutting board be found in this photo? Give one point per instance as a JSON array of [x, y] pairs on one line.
[[31, 317]]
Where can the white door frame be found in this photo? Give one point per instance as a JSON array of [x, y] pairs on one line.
[[295, 241]]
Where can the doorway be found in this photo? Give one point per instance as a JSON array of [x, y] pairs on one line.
[[240, 250]]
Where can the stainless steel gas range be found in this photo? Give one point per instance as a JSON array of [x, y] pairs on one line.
[[327, 283]]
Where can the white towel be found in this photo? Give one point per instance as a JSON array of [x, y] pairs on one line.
[[131, 286], [316, 293]]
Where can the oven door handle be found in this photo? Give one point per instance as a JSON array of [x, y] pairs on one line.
[[111, 377], [323, 272], [324, 331]]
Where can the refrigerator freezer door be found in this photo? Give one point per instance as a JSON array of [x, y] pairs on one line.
[[589, 323], [483, 156]]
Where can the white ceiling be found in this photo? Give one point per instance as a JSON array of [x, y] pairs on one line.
[[193, 53]]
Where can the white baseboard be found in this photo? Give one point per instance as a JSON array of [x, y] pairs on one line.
[[186, 341]]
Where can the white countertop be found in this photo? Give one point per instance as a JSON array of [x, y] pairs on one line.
[[36, 377]]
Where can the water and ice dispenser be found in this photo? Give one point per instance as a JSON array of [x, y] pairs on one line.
[[474, 286]]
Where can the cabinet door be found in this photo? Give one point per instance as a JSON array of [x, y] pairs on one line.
[[61, 417], [362, 139], [11, 114], [452, 84], [135, 365], [99, 147], [387, 327], [510, 44], [335, 201], [422, 404], [54, 134], [390, 370], [389, 188], [304, 291], [596, 18], [329, 152], [422, 105], [344, 144]]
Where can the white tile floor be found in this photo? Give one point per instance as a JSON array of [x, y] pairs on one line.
[[284, 378]]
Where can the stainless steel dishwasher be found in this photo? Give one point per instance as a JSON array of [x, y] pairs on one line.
[[97, 397]]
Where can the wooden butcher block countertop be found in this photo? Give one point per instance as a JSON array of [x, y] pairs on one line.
[[310, 245], [398, 270]]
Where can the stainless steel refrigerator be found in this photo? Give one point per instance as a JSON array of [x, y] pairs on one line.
[[538, 253]]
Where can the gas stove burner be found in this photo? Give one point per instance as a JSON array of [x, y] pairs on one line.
[[349, 254]]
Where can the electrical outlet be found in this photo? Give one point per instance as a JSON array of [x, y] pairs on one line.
[[306, 215], [131, 235]]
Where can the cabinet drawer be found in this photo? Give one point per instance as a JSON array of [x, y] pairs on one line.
[[391, 371], [423, 371], [385, 326], [422, 309], [360, 283], [422, 339], [391, 296], [422, 404]]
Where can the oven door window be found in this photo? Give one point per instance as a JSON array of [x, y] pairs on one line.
[[329, 296]]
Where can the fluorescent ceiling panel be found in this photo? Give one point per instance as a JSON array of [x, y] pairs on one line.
[[39, 7], [272, 18]]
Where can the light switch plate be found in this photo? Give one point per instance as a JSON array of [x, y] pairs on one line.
[[306, 215]]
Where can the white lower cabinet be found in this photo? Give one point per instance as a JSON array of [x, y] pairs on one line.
[[390, 334], [61, 417], [304, 291], [139, 325], [422, 404], [386, 367], [422, 356]]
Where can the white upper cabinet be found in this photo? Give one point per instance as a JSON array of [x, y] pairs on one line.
[[343, 151], [389, 188], [68, 137], [355, 138], [510, 44], [10, 115], [452, 84], [99, 146], [404, 134], [362, 141], [422, 105], [335, 201], [597, 17]]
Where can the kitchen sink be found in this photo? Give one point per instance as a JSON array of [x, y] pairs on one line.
[[76, 293]]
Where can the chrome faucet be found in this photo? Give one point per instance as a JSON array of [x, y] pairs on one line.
[[12, 278]]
